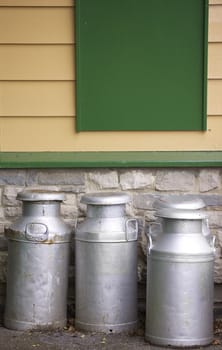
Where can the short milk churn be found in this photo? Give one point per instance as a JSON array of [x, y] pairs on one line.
[[38, 248], [179, 308], [106, 265]]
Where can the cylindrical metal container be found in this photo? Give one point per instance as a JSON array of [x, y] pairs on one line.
[[38, 249], [179, 308], [106, 265]]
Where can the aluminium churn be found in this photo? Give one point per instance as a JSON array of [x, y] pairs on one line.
[[179, 308], [38, 248], [106, 265]]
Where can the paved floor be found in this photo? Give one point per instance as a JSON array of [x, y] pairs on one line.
[[70, 339]]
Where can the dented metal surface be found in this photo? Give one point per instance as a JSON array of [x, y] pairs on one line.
[[106, 265], [180, 278], [38, 261]]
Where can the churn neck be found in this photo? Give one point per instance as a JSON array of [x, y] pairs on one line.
[[105, 204], [181, 214], [182, 226], [41, 203]]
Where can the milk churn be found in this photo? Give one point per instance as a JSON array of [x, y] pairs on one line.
[[179, 308], [38, 248], [106, 265]]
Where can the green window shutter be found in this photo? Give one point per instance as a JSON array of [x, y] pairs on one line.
[[141, 65]]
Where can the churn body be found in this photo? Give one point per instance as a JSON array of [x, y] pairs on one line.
[[38, 248], [180, 279], [106, 265]]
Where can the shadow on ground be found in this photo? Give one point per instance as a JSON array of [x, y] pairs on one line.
[[70, 339]]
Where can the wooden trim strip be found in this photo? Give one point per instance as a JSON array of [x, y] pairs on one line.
[[11, 160]]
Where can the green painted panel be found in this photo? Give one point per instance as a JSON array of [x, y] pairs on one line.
[[141, 65], [29, 160]]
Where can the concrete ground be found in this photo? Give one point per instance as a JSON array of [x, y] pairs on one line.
[[70, 339]]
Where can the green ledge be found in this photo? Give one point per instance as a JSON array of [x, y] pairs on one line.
[[109, 159]]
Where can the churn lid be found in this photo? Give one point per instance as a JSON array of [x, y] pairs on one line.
[[180, 208], [105, 198], [40, 195]]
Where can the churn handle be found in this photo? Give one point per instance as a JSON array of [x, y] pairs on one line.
[[150, 243], [153, 224], [212, 243], [149, 235], [36, 232], [205, 227], [135, 230]]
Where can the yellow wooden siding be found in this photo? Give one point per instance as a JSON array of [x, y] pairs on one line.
[[215, 27], [56, 62], [45, 134], [36, 3], [37, 62], [57, 98], [214, 106], [214, 61], [37, 86], [215, 2], [28, 26], [50, 98]]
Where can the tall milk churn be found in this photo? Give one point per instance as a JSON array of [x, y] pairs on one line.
[[38, 248], [179, 309], [106, 265]]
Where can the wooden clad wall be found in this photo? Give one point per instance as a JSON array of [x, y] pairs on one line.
[[37, 86]]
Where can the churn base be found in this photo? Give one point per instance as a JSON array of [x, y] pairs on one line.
[[23, 326], [178, 342], [107, 328]]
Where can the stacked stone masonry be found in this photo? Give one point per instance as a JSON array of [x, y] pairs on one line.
[[143, 185]]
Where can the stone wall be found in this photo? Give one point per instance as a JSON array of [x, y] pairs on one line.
[[143, 185]]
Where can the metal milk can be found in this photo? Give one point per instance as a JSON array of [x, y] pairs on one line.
[[179, 309], [106, 265], [38, 249]]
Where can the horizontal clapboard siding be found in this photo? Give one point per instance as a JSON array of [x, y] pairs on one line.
[[37, 62], [45, 134], [214, 61], [22, 25], [36, 3], [56, 62], [57, 98], [50, 98], [37, 85], [215, 97], [215, 23], [215, 2]]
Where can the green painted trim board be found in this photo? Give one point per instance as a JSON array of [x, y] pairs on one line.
[[14, 160]]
